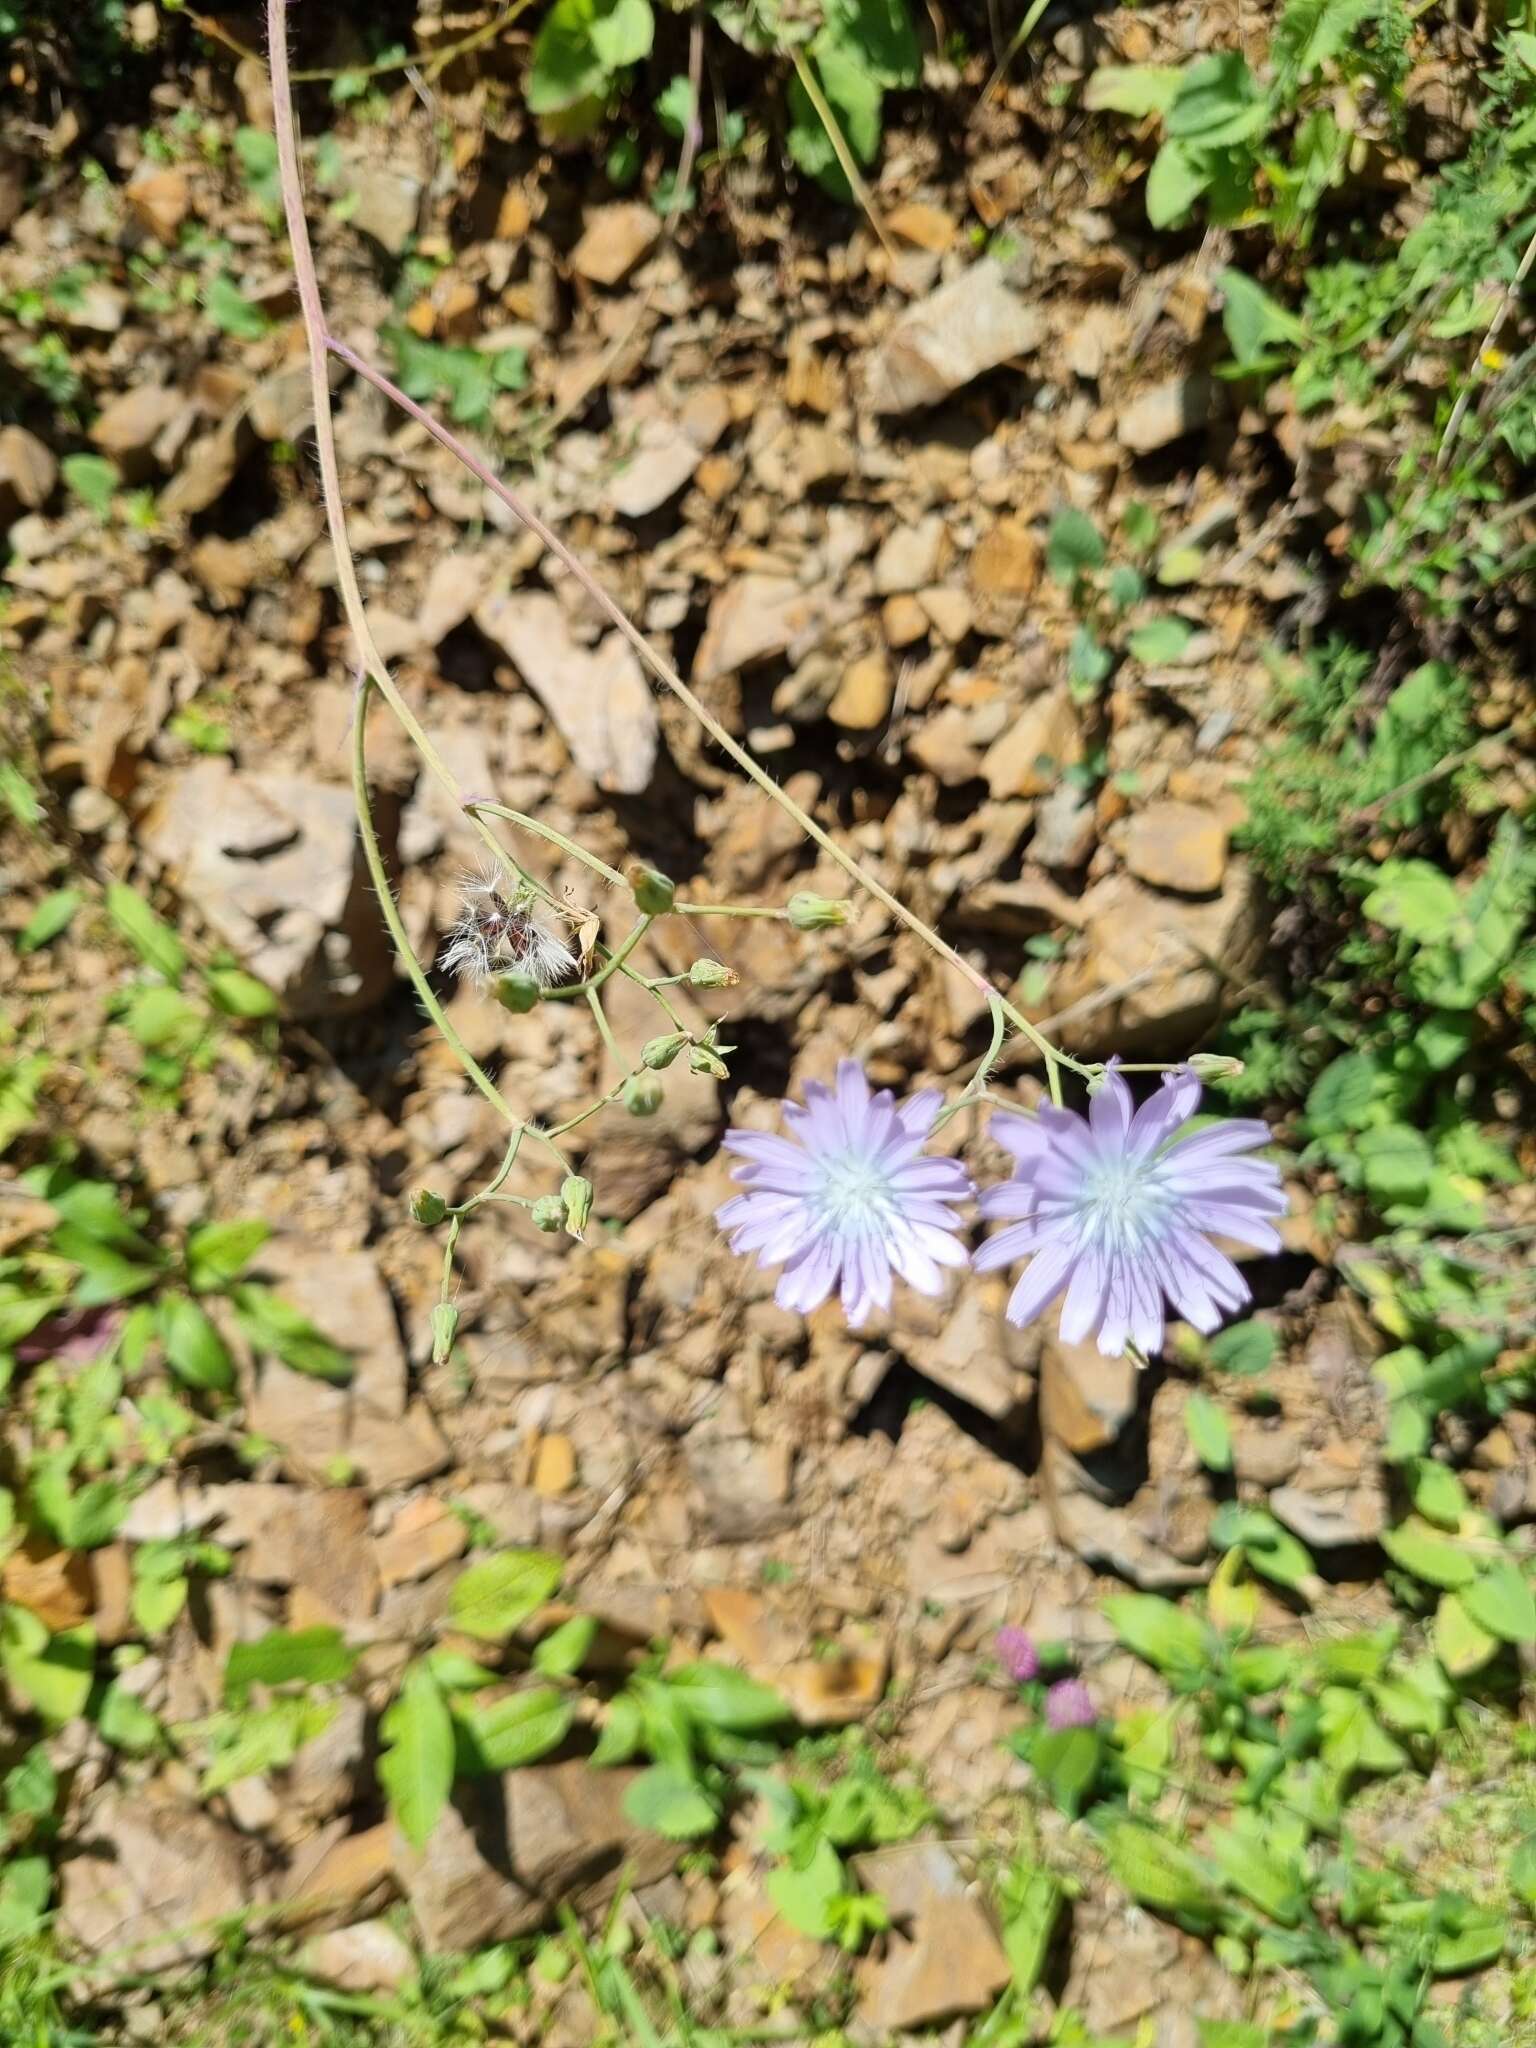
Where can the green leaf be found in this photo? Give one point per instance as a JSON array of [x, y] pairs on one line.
[[1437, 1493], [1353, 1738], [1217, 103], [127, 1723], [1209, 1432], [1463, 1645], [162, 1020], [1415, 898], [55, 1681], [416, 1761], [231, 312], [306, 1656], [239, 994], [32, 1786], [1271, 1550], [1522, 1873], [194, 1350], [1164, 1635], [622, 31], [497, 1595], [1178, 177], [621, 1733], [273, 1326], [670, 1803], [267, 1739], [1343, 1095], [1310, 33], [717, 1696], [1032, 1906], [1067, 1762], [1429, 1554], [1074, 546], [1232, 2034], [93, 480], [1089, 661], [218, 1253], [674, 107], [516, 1729], [1160, 1873], [150, 937], [564, 1650], [566, 68], [880, 33], [803, 1893], [20, 1081], [1246, 1349], [26, 1884], [1414, 1700], [1273, 1883], [1501, 1601], [1396, 1161], [1160, 640], [1134, 89], [1254, 322], [51, 917]]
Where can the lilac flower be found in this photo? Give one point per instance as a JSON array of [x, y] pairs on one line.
[[1017, 1654], [1069, 1704], [848, 1198], [1119, 1208]]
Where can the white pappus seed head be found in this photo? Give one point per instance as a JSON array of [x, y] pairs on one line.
[[498, 932]]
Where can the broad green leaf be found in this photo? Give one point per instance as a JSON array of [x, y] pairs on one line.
[[1160, 640], [150, 937], [670, 1803], [1414, 1699], [194, 1350], [218, 1253], [1437, 1493], [497, 1595], [416, 1761], [1271, 1550], [93, 480], [1209, 1432], [1074, 546], [622, 31], [1067, 1763], [1246, 1861], [230, 311], [1309, 33], [1161, 1873], [1522, 1873], [516, 1729], [1218, 102], [239, 994], [26, 1884], [1134, 89], [79, 1517], [1351, 1660], [621, 1733], [306, 1656], [266, 1739], [274, 1326], [95, 1209], [1353, 1738], [1501, 1601], [1415, 898], [1166, 1636], [1430, 1554], [803, 1893], [563, 1651], [1473, 1945], [20, 1081], [55, 1681], [566, 68], [51, 917], [1343, 1095], [1033, 1902], [127, 1723], [1232, 2034], [32, 1786], [880, 34], [719, 1696], [1254, 322], [1246, 1349], [1463, 1645], [1396, 1160]]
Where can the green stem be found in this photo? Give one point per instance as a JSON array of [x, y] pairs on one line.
[[728, 910], [975, 1089], [548, 832], [595, 1004], [610, 966], [379, 876]]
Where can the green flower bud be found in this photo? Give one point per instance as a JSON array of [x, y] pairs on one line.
[[445, 1323], [427, 1206], [576, 1194], [548, 1213], [643, 1094], [657, 1053], [808, 913], [1214, 1066], [655, 893], [703, 1059], [517, 993], [712, 974]]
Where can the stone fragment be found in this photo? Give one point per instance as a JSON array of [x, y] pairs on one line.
[[455, 586], [751, 619], [129, 425], [829, 1692], [53, 1584], [949, 609], [1266, 1457], [368, 1956], [1177, 846], [151, 1876], [569, 1837], [597, 697], [663, 456], [1007, 562], [1166, 413], [1086, 1399], [903, 621], [954, 1966], [423, 1537], [554, 1466], [963, 1347], [1066, 831], [1151, 972], [339, 1876], [614, 240], [945, 744], [960, 331], [926, 227], [1100, 1533], [385, 205], [208, 468], [1332, 1517], [1028, 759], [461, 1900], [159, 198], [272, 863], [910, 556], [865, 694], [28, 472], [319, 1540], [744, 1486]]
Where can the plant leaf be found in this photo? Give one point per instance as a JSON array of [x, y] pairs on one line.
[[416, 1761]]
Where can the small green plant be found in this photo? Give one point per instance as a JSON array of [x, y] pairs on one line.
[[1111, 600], [467, 380], [834, 1801]]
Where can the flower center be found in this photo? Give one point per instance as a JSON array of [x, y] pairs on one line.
[[1121, 1198], [852, 1193]]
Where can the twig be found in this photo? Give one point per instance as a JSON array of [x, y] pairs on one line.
[[1020, 37], [806, 73], [1464, 396]]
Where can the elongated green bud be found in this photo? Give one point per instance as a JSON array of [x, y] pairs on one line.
[[517, 993], [657, 1053], [643, 1094], [576, 1194], [703, 1059], [655, 893], [1214, 1066], [712, 974], [427, 1206], [445, 1323], [808, 913]]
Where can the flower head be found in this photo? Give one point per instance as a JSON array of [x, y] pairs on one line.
[[496, 935], [1017, 1654], [1069, 1704], [1119, 1207], [848, 1198]]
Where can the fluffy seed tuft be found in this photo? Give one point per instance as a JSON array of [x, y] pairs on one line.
[[495, 935]]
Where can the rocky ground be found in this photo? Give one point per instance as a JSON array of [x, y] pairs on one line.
[[819, 465]]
